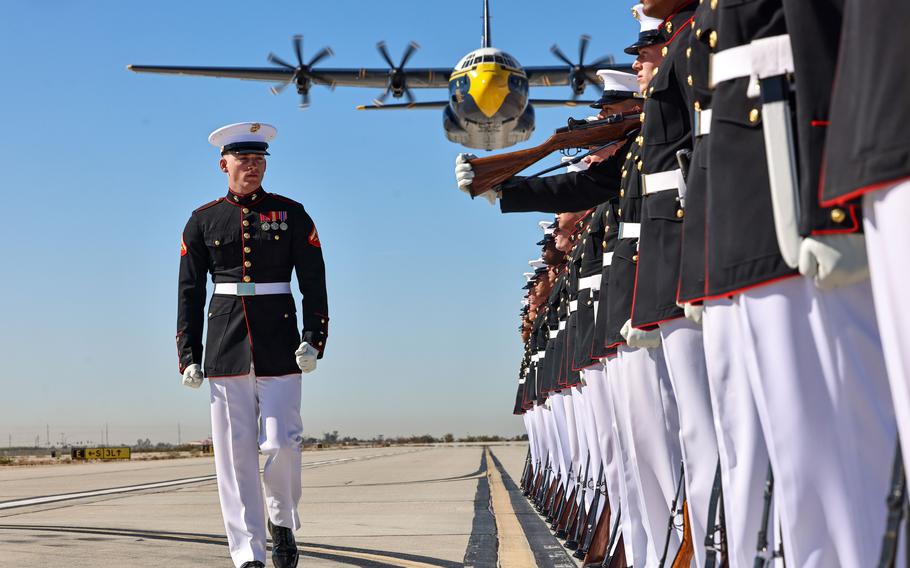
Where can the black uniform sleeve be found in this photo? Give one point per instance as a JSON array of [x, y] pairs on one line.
[[574, 191], [310, 269], [194, 263]]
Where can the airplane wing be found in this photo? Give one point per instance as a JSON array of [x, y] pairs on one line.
[[417, 77], [558, 75], [406, 106]]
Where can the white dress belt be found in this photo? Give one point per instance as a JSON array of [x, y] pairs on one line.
[[589, 282], [552, 333], [765, 57], [252, 288], [608, 259], [573, 306], [541, 355], [702, 122], [629, 230], [661, 181], [535, 358]]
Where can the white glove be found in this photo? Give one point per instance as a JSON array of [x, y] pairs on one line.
[[464, 177], [306, 357], [192, 376], [834, 260], [693, 312], [639, 337]]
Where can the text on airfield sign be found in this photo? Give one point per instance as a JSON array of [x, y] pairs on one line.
[[120, 453]]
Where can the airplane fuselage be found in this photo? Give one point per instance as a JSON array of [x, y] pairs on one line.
[[488, 101]]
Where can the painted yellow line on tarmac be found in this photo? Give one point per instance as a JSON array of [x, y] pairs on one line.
[[514, 550]]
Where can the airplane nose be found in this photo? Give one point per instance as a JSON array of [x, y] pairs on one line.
[[489, 88]]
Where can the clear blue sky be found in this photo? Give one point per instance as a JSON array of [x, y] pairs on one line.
[[102, 167]]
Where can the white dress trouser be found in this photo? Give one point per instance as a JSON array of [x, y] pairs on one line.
[[821, 389], [887, 243], [598, 393], [685, 356], [740, 441], [655, 444], [528, 419], [563, 434], [589, 443], [250, 415], [558, 467], [635, 538]]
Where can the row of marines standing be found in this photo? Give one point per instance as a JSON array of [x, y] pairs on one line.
[[706, 327]]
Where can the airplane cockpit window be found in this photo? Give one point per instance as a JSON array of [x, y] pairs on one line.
[[500, 60], [488, 59]]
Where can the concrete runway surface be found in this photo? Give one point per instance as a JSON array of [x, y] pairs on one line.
[[446, 506]]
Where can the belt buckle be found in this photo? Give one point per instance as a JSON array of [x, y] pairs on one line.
[[246, 288]]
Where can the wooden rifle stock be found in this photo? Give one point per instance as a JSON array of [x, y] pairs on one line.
[[492, 171], [687, 549]]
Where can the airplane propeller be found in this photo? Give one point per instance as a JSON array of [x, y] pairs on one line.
[[580, 73], [303, 73], [398, 86]]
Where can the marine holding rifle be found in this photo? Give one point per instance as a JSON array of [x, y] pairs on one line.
[[742, 245]]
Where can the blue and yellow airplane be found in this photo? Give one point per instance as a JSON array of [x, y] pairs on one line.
[[489, 104]]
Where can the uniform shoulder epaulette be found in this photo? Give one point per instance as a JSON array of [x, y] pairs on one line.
[[288, 199], [209, 204]]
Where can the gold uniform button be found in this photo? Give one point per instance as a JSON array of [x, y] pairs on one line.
[[622, 192], [211, 314], [689, 50], [838, 215], [629, 155], [712, 39], [254, 196], [320, 344], [679, 213], [277, 237], [624, 174], [697, 106], [698, 33], [689, 80], [247, 263], [656, 70], [639, 165], [246, 235], [247, 250], [664, 50], [619, 212], [753, 115], [246, 223], [217, 243], [714, 4], [245, 210], [651, 91], [285, 316], [641, 117], [247, 279], [323, 321], [634, 258], [669, 26]]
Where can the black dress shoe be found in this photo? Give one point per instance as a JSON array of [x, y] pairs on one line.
[[253, 564], [284, 548]]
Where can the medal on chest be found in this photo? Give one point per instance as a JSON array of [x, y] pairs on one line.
[[273, 221]]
